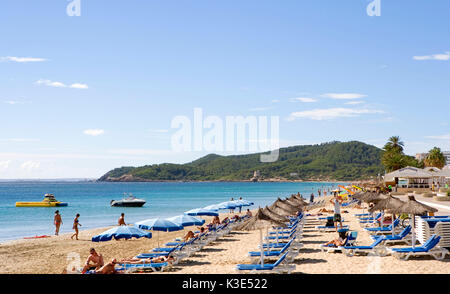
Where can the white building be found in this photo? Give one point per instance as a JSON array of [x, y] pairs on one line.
[[447, 157]]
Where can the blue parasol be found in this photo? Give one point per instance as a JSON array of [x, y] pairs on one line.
[[187, 220], [202, 211], [121, 232]]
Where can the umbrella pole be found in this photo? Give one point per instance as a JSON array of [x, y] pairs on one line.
[[413, 232], [262, 246]]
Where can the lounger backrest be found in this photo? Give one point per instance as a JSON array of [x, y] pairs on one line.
[[405, 232], [396, 222], [352, 236], [434, 241], [429, 241], [280, 260], [377, 242], [286, 246]]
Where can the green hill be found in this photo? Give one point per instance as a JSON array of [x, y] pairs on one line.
[[328, 161]]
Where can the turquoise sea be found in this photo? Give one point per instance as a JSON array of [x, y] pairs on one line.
[[91, 200]]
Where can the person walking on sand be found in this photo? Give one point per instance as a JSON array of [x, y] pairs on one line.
[[76, 223], [337, 210], [121, 221], [232, 209], [57, 221], [240, 207]]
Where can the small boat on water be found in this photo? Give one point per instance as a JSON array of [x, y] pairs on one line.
[[48, 201], [129, 201]]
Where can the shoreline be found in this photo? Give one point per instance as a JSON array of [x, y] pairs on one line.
[[53, 255]]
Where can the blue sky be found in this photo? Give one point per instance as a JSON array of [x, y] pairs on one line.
[[80, 95]]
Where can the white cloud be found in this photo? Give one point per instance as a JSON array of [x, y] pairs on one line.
[[441, 137], [13, 102], [354, 102], [444, 56], [94, 132], [22, 59], [344, 96], [304, 99], [275, 101], [50, 83], [78, 86], [331, 113], [4, 164], [30, 165]]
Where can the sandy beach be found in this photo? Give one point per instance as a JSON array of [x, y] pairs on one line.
[[52, 255]]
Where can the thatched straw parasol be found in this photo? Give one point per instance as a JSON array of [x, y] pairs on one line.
[[294, 203], [288, 205], [388, 203], [262, 220], [297, 200], [413, 207], [279, 210], [372, 197], [276, 214]]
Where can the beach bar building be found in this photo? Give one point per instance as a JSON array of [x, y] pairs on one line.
[[410, 179]]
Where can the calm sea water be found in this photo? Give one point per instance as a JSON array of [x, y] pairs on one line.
[[91, 200]]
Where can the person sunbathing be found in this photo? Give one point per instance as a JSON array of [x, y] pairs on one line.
[[135, 260], [340, 241], [108, 268], [189, 235], [93, 262], [202, 231], [324, 210]]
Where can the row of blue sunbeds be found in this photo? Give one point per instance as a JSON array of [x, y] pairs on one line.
[[278, 252], [179, 250]]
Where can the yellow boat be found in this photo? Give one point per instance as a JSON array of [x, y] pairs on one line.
[[48, 201]]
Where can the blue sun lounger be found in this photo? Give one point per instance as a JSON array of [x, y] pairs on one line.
[[383, 230], [403, 236], [291, 253], [154, 267], [429, 248], [283, 237], [280, 266], [375, 248], [351, 240]]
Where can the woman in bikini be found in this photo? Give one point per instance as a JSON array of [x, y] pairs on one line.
[[57, 221], [76, 223]]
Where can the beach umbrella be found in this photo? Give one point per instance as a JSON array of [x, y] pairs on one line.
[[121, 232], [413, 207], [276, 213], [279, 210], [242, 202], [295, 204], [159, 224], [389, 203], [296, 201], [229, 205], [214, 207], [202, 211], [299, 199], [186, 220], [286, 206], [261, 220]]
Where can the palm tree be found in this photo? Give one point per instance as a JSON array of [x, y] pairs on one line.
[[394, 144], [435, 158]]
